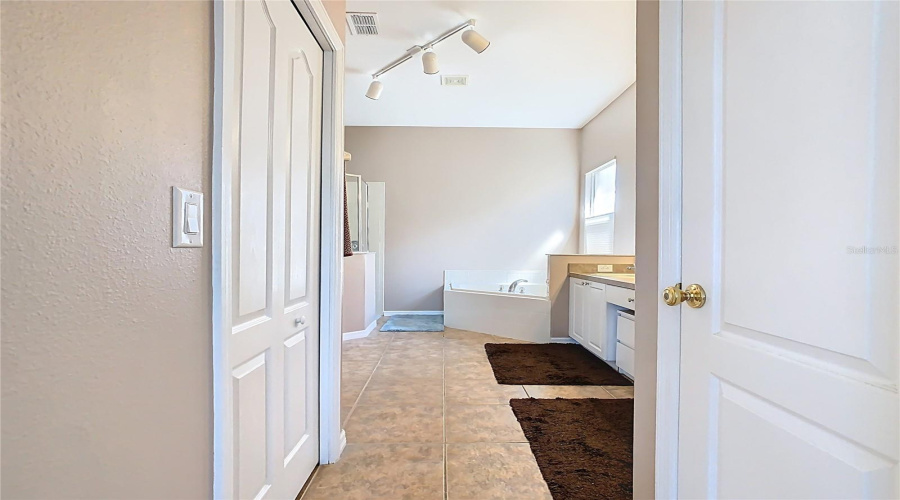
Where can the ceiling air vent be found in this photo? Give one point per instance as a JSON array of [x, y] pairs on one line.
[[362, 23], [455, 80]]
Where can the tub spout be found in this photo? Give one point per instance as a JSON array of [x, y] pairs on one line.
[[514, 284]]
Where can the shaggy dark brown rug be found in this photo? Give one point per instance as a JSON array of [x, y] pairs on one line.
[[582, 446], [550, 364]]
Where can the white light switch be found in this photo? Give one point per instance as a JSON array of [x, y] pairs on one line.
[[187, 218], [191, 218]]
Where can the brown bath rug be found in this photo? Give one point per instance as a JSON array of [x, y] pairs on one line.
[[550, 364], [582, 446]]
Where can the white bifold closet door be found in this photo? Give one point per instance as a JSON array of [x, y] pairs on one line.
[[789, 373], [273, 73]]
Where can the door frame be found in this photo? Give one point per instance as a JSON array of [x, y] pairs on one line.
[[668, 250], [332, 438]]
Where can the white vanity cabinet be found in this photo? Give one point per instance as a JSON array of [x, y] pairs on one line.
[[587, 317], [595, 321]]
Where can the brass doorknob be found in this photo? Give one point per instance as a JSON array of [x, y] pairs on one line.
[[694, 295], [673, 295]]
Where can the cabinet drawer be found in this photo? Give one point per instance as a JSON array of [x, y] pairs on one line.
[[622, 297], [625, 358], [625, 329]]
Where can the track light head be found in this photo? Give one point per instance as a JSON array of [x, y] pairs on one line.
[[430, 62], [475, 41], [374, 91]]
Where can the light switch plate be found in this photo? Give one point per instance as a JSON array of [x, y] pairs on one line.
[[604, 268], [187, 232]]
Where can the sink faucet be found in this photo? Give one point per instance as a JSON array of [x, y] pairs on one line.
[[514, 284]]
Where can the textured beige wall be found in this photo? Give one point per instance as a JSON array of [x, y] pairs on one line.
[[106, 352], [647, 243], [467, 198], [612, 134]]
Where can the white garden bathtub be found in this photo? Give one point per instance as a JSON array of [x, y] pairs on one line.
[[478, 301]]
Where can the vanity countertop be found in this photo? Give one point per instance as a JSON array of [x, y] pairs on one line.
[[614, 279]]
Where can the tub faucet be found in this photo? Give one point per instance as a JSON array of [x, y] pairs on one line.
[[514, 284]]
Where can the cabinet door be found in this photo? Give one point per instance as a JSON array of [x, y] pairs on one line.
[[595, 330], [578, 312], [584, 307], [574, 330]]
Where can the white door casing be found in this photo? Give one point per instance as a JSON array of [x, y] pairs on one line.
[[271, 166], [789, 373]]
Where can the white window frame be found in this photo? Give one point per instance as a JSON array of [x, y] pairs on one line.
[[585, 201]]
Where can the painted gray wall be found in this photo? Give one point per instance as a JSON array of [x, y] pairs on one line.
[[612, 134], [106, 359], [467, 198]]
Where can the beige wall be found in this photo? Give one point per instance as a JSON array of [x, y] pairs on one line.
[[106, 359], [337, 12], [612, 134], [647, 241], [467, 198]]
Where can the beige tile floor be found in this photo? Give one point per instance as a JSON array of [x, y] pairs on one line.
[[425, 419]]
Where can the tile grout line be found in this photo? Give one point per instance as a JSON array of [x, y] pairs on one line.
[[359, 396]]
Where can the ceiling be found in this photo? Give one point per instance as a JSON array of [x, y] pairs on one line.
[[551, 64]]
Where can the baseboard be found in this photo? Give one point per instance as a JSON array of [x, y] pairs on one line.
[[562, 340], [360, 333], [395, 313]]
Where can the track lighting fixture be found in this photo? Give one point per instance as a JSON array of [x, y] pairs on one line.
[[374, 91], [475, 41], [430, 62], [430, 66]]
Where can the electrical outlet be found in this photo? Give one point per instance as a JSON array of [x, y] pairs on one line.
[[604, 268]]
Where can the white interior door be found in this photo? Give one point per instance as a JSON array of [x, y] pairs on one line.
[[789, 372], [273, 74]]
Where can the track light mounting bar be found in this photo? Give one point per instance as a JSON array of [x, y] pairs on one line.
[[419, 48]]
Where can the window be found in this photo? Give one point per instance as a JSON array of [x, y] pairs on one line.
[[599, 209]]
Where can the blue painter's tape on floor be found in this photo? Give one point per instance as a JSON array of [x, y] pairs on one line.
[[414, 323]]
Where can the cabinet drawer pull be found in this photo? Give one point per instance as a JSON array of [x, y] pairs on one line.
[[630, 299]]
